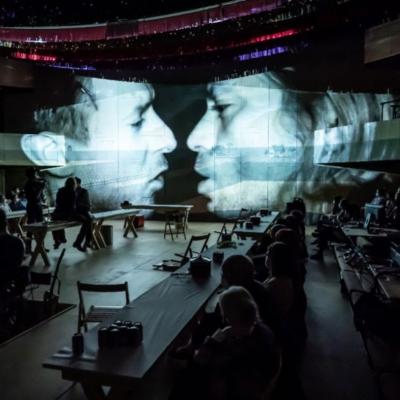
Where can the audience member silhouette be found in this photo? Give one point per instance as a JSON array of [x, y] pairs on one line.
[[236, 362]]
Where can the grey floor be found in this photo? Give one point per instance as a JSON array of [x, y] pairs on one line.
[[335, 365]]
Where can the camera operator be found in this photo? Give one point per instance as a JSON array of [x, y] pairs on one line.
[[34, 191]]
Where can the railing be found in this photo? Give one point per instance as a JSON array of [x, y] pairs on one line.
[[395, 106]]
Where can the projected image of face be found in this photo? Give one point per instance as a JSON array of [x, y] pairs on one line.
[[114, 141], [246, 143]]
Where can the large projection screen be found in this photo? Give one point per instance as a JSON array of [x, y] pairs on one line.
[[246, 142]]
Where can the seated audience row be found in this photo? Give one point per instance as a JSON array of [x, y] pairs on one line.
[[221, 364]]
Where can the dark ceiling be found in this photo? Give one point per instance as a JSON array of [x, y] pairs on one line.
[[62, 12]]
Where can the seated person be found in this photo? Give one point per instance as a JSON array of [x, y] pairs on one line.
[[4, 204], [298, 275], [380, 197], [259, 250], [389, 205], [65, 209], [279, 285], [12, 254], [329, 231], [238, 361], [15, 203], [393, 219], [237, 270], [296, 226], [300, 218]]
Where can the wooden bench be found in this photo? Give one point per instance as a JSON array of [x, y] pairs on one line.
[[40, 230]]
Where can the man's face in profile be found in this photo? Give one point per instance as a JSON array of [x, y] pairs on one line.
[[119, 150]]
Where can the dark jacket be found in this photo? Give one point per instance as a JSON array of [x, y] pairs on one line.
[[65, 204], [12, 254], [34, 191], [82, 201]]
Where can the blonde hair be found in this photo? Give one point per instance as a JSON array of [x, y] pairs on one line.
[[237, 305]]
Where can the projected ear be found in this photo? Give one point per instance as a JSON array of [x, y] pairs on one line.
[[44, 149]]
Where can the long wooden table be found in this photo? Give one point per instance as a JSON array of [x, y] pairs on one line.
[[257, 231], [17, 219], [368, 278], [40, 230], [165, 310], [166, 209]]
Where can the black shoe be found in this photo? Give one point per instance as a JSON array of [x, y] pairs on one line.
[[315, 234], [79, 247]]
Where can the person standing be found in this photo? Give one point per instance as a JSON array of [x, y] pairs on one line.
[[65, 209], [83, 215], [34, 192]]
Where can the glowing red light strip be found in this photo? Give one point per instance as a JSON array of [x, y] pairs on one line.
[[273, 36], [33, 57]]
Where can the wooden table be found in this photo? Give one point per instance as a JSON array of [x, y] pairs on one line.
[[166, 209], [165, 310], [361, 232], [258, 231], [18, 219], [100, 217], [40, 230], [364, 280]]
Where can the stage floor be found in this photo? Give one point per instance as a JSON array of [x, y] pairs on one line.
[[335, 364]]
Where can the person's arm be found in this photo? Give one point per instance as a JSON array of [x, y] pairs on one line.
[[86, 200], [213, 346]]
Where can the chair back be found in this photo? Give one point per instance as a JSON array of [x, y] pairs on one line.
[[243, 213], [189, 252], [223, 231], [99, 288]]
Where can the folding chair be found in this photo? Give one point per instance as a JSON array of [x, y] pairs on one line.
[[98, 314], [189, 252], [47, 279], [173, 265], [176, 220]]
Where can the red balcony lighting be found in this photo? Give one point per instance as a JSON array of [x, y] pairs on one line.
[[273, 36], [33, 57]]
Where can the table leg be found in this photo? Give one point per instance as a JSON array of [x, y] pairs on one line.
[[93, 391], [39, 249], [21, 221], [97, 236], [186, 227], [130, 227]]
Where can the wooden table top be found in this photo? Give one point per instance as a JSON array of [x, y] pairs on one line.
[[165, 310], [166, 207], [258, 230]]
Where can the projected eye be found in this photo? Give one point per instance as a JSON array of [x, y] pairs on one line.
[[138, 124], [220, 108]]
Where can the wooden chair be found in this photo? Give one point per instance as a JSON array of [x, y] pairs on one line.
[[176, 220], [189, 252], [98, 314]]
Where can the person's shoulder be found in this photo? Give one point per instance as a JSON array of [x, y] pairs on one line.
[[11, 240], [263, 333], [257, 287]]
